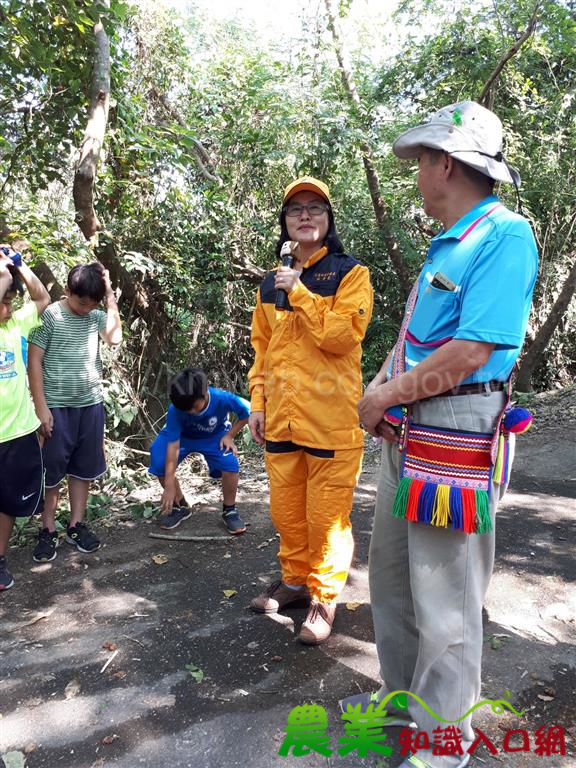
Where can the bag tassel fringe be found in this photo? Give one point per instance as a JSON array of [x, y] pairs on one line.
[[443, 506]]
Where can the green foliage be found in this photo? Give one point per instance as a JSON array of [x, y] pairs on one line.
[[195, 672], [98, 506], [534, 96], [45, 71], [143, 511], [207, 127], [119, 404]]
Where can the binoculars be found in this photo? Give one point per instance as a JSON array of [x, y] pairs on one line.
[[16, 259]]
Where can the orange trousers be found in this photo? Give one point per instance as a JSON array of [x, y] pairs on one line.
[[310, 506]]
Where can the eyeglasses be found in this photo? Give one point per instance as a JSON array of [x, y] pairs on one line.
[[314, 209]]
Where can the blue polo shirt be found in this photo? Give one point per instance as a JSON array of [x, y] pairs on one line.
[[490, 256], [211, 422]]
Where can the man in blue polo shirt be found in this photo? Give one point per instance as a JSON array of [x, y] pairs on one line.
[[463, 328]]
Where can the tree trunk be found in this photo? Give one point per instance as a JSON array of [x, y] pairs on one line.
[[134, 293], [145, 301], [48, 279], [381, 210], [536, 349], [85, 173]]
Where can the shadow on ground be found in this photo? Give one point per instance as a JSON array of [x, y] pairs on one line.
[[155, 624]]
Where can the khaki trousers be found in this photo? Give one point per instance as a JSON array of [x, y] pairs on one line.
[[427, 587]]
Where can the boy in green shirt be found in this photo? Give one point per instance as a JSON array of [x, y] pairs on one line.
[[65, 373], [21, 471]]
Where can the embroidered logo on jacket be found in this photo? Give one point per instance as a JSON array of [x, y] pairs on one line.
[[325, 276]]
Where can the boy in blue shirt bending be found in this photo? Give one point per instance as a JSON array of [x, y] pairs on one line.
[[197, 422]]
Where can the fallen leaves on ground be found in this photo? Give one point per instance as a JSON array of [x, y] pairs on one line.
[[72, 689], [497, 640], [160, 559], [110, 739], [352, 606], [29, 623], [109, 646], [195, 672], [230, 592], [266, 543]]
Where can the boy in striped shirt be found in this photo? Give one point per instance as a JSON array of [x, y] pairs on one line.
[[65, 373]]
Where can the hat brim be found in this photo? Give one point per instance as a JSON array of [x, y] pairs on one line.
[[496, 169], [410, 143], [307, 186]]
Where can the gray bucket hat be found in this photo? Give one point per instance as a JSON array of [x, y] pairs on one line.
[[469, 132]]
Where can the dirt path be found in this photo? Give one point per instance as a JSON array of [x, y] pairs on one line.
[[162, 626]]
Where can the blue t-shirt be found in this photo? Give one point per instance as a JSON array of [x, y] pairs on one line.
[[490, 256], [211, 422]]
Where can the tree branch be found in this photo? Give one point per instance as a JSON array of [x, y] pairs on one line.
[[381, 210], [201, 156], [536, 349], [485, 96], [247, 271], [423, 227]]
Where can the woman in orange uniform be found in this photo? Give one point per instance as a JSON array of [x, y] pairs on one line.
[[304, 386]]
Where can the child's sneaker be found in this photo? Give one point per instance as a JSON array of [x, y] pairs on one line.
[[6, 580], [45, 550], [173, 520], [82, 538], [233, 522]]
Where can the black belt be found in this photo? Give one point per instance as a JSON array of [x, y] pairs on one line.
[[477, 388], [287, 446]]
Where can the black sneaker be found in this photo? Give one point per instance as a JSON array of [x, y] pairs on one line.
[[45, 550], [233, 522], [173, 520], [6, 580], [82, 538]]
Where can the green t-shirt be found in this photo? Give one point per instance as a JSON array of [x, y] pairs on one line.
[[72, 366], [17, 416]]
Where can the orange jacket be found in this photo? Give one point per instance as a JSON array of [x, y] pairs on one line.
[[306, 375]]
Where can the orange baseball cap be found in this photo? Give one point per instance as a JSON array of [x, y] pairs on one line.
[[307, 184]]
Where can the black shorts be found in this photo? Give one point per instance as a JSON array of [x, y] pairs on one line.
[[21, 476], [77, 444]]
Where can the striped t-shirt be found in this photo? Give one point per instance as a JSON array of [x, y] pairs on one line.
[[72, 364]]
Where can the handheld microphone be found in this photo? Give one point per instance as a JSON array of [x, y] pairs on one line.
[[287, 257]]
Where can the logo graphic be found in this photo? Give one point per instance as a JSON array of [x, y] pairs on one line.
[[307, 725], [306, 732], [7, 364], [24, 498], [497, 706]]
